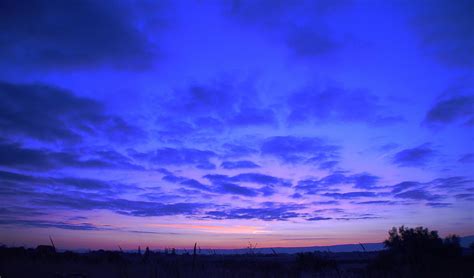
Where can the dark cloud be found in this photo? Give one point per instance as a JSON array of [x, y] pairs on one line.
[[318, 218], [445, 30], [19, 184], [417, 194], [223, 184], [296, 196], [241, 164], [388, 147], [438, 204], [336, 104], [14, 155], [360, 217], [250, 178], [314, 186], [306, 37], [422, 190], [270, 212], [351, 195], [89, 201], [54, 34], [458, 108], [467, 158], [332, 202], [377, 202], [402, 186], [230, 184], [178, 156], [466, 196], [260, 179], [16, 211], [233, 150], [364, 180], [452, 182], [328, 164], [253, 116], [414, 157], [331, 210], [173, 178], [327, 183], [235, 189], [51, 224], [224, 103], [192, 183], [189, 183], [172, 129], [51, 114], [209, 123], [291, 149]]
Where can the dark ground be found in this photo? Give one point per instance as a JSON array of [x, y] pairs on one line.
[[20, 262]]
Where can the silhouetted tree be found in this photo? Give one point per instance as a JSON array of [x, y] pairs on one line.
[[419, 252]]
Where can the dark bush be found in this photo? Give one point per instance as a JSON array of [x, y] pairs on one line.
[[418, 252]]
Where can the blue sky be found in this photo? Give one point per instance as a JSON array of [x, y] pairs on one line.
[[287, 123]]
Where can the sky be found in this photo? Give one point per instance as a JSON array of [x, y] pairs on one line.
[[279, 123]]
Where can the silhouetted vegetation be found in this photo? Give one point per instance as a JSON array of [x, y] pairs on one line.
[[419, 252], [409, 252]]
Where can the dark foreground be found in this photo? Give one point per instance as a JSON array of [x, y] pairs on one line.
[[408, 253], [20, 262]]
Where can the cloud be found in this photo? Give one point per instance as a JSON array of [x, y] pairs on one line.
[[388, 147], [192, 183], [233, 150], [178, 156], [438, 204], [222, 103], [230, 184], [241, 164], [235, 189], [417, 194], [328, 164], [327, 183], [466, 196], [307, 37], [172, 129], [402, 186], [361, 217], [467, 158], [249, 178], [94, 201], [452, 109], [189, 183], [85, 33], [452, 182], [224, 184], [253, 116], [351, 195], [18, 184], [15, 211], [51, 224], [335, 104], [271, 212], [260, 179], [414, 157], [445, 31], [376, 202], [14, 155], [51, 114], [291, 149], [364, 180], [318, 218]]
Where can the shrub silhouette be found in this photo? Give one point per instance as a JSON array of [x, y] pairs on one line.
[[419, 252]]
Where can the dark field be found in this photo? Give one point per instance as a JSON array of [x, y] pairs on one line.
[[20, 262]]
